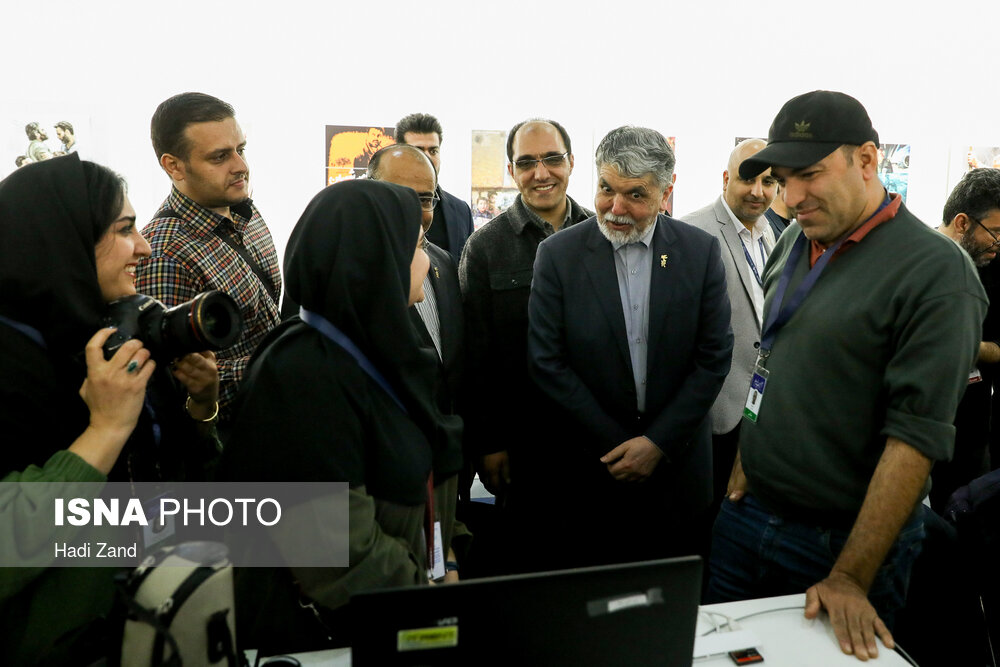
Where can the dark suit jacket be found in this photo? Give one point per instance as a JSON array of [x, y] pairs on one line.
[[451, 369], [579, 356], [444, 277], [457, 223]]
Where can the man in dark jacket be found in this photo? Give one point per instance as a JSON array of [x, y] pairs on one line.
[[452, 217], [507, 414]]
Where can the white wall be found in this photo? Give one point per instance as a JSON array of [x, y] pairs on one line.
[[705, 72]]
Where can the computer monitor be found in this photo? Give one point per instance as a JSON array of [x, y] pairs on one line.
[[633, 614]]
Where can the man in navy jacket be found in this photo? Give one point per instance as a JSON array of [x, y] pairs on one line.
[[452, 217], [629, 336]]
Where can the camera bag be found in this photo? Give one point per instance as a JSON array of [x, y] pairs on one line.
[[180, 608]]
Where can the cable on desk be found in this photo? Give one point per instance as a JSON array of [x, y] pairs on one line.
[[756, 613], [730, 620], [906, 656]]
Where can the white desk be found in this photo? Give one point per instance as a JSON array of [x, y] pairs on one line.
[[787, 639]]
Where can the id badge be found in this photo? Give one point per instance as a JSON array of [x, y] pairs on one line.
[[436, 571], [758, 381], [975, 376], [160, 527]]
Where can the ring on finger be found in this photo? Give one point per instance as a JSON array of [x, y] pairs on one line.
[[132, 367]]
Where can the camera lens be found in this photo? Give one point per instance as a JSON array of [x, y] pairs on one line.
[[210, 321], [213, 319]]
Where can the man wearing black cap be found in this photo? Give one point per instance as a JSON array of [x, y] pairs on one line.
[[864, 355]]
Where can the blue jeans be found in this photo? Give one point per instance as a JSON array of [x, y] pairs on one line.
[[757, 554]]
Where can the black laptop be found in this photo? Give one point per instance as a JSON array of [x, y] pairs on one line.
[[631, 615]]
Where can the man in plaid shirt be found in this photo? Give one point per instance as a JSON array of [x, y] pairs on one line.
[[208, 234]]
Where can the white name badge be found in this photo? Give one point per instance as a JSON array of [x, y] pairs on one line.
[[160, 527], [758, 381], [975, 376], [436, 571]]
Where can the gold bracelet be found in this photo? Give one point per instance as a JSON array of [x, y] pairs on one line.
[[187, 408]]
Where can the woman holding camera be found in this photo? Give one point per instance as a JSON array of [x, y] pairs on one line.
[[344, 394], [68, 246]]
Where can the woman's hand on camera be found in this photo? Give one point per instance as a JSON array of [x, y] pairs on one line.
[[200, 376], [114, 392]]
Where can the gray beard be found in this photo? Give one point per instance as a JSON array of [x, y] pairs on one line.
[[616, 237]]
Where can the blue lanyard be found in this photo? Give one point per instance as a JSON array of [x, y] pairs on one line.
[[327, 328], [155, 424], [778, 315], [753, 265], [29, 331]]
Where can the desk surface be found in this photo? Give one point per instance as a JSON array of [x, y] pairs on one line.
[[787, 639]]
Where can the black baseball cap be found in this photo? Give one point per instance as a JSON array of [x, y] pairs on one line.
[[810, 127]]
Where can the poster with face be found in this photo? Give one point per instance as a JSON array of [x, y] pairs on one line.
[[40, 135], [350, 147], [493, 190], [894, 167]]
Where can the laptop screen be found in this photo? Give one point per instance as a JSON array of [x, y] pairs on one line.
[[631, 614]]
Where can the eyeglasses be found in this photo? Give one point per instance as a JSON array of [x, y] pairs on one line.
[[428, 202], [996, 239], [550, 162]]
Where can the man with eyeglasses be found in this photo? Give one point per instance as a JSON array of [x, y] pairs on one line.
[[971, 218], [453, 217], [871, 324], [628, 337], [507, 419]]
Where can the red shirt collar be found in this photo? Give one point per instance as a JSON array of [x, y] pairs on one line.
[[887, 213]]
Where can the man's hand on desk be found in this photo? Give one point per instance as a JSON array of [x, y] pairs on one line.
[[854, 619]]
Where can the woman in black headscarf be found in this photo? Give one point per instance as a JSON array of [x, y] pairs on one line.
[[309, 411], [68, 245]]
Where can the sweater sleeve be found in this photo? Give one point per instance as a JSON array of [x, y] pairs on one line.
[[25, 509]]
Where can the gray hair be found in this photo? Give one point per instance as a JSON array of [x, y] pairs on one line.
[[637, 151]]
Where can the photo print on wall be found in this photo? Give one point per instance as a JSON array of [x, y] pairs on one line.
[[35, 137], [350, 147], [894, 167], [493, 190]]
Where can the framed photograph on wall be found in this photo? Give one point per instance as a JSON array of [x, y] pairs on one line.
[[350, 147], [33, 137], [894, 167], [493, 190]]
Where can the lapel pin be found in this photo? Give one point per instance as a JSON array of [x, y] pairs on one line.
[[436, 274], [663, 261]]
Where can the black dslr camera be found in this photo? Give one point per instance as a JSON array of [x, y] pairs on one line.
[[210, 321]]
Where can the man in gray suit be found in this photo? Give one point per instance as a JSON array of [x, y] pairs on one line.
[[737, 219]]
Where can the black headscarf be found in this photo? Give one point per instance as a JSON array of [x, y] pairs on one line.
[[48, 274], [348, 259], [48, 281]]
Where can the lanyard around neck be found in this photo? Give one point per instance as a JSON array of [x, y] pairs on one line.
[[780, 314], [327, 328]]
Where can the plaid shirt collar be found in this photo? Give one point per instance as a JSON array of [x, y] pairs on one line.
[[202, 222]]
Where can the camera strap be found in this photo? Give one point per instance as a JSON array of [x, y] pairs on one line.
[[222, 231]]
